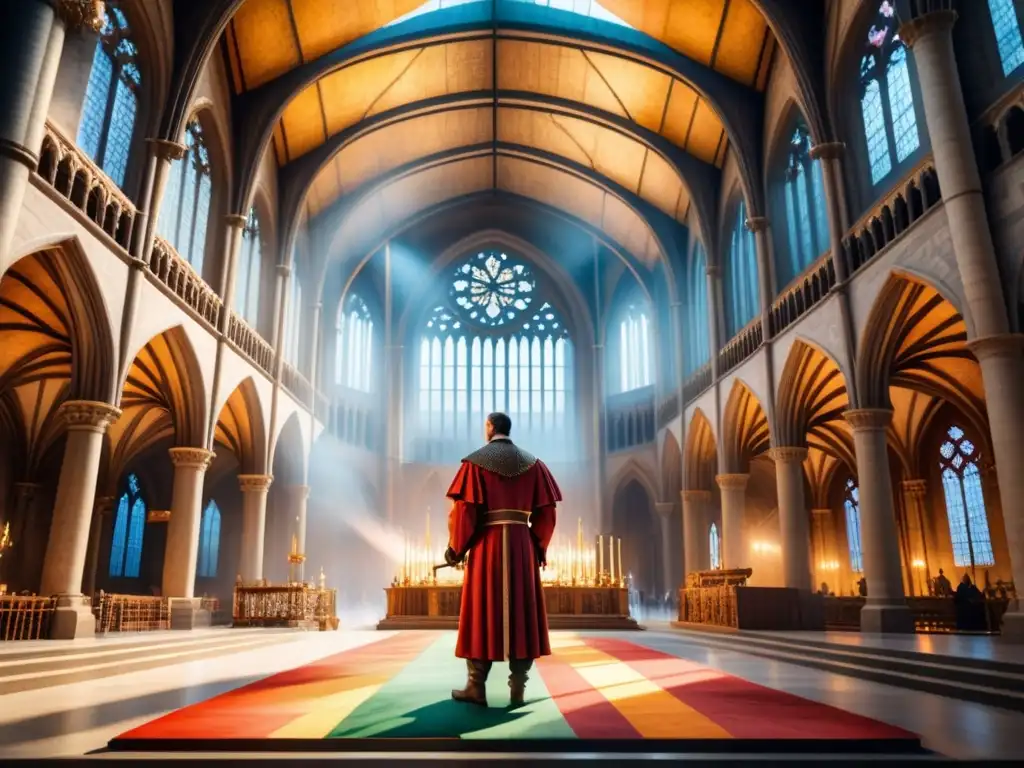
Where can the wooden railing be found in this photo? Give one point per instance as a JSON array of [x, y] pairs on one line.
[[77, 178], [25, 618], [177, 274], [800, 298], [697, 382], [251, 344], [931, 614], [911, 199], [133, 613], [741, 346], [296, 383]]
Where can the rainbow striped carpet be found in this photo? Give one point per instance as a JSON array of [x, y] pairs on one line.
[[393, 694]]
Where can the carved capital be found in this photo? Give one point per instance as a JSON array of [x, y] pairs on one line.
[[236, 220], [195, 458], [756, 224], [1003, 345], [81, 14], [665, 508], [789, 453], [167, 150], [696, 496], [253, 483], [868, 419], [88, 416], [732, 482], [915, 489], [936, 22], [829, 150]]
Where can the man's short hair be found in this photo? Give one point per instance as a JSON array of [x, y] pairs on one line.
[[501, 422]]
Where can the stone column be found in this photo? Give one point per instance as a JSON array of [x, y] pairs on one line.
[[104, 507], [734, 505], [64, 564], [182, 547], [715, 319], [886, 609], [254, 525], [794, 527], [915, 492], [695, 506], [665, 509], [162, 154], [998, 351], [31, 59]]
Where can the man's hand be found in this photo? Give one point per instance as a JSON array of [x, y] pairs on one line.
[[451, 557], [542, 556]]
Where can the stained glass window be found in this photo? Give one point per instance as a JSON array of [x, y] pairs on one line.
[[807, 234], [293, 321], [589, 8], [247, 279], [635, 338], [186, 205], [111, 97], [129, 527], [887, 98], [715, 544], [495, 345], [1007, 29], [209, 541], [851, 505], [965, 502], [353, 362], [740, 278]]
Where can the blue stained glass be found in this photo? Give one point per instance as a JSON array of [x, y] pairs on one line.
[[634, 350], [957, 520], [981, 539], [741, 276], [965, 501], [119, 142], [209, 541], [853, 537], [821, 227], [118, 540], [94, 110], [136, 529], [202, 217], [875, 131], [715, 545], [1007, 30], [698, 339], [901, 105], [247, 279], [187, 211]]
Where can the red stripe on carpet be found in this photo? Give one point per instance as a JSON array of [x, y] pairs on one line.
[[746, 710], [585, 709], [256, 710]]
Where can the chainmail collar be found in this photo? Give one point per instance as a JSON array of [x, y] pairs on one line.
[[502, 457]]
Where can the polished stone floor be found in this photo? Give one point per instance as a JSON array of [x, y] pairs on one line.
[[78, 717]]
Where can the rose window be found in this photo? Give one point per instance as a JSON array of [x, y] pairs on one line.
[[492, 289]]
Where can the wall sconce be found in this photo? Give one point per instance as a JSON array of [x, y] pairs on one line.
[[158, 515], [918, 564]]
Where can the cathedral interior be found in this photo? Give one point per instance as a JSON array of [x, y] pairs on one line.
[[741, 272]]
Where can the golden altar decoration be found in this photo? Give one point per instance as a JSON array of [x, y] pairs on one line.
[[722, 599], [298, 604], [580, 592]]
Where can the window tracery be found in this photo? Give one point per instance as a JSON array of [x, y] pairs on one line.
[[1006, 27], [805, 207], [851, 506], [353, 365], [887, 97], [129, 528], [635, 349], [186, 206], [247, 282], [965, 501], [498, 345], [209, 541], [111, 97]]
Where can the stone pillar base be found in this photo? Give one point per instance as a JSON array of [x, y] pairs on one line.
[[186, 613], [1013, 623], [887, 617], [72, 618]]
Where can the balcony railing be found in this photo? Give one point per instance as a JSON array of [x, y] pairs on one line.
[[911, 199], [668, 409], [801, 297], [70, 171], [177, 274], [741, 346], [697, 382], [296, 383], [251, 344]]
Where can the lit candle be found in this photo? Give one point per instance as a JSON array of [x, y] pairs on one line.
[[600, 555], [620, 559], [611, 558]]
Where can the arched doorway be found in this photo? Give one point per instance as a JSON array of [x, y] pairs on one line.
[[633, 521]]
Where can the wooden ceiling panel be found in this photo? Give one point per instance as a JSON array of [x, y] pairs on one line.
[[640, 89], [552, 187], [302, 123], [323, 26], [744, 36], [661, 186], [707, 135]]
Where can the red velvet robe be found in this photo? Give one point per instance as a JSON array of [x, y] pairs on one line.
[[474, 491]]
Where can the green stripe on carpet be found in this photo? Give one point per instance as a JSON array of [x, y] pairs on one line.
[[416, 703]]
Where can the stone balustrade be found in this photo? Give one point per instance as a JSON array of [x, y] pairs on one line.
[[251, 344], [177, 274]]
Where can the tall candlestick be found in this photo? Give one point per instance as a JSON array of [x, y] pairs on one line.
[[295, 544], [611, 559], [600, 555], [622, 575]]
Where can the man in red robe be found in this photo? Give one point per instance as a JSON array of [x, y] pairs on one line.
[[502, 518]]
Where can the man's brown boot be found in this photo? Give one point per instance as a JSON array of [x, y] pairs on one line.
[[475, 691], [517, 680]]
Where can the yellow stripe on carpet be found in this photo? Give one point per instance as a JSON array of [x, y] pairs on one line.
[[653, 711], [325, 713]]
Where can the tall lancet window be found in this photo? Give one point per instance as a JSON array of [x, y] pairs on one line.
[[247, 276], [715, 546], [1006, 26], [353, 362], [740, 279], [851, 506], [293, 321], [697, 350], [495, 343], [887, 98], [111, 98], [635, 343], [965, 502], [209, 541], [186, 204], [806, 212], [129, 527]]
